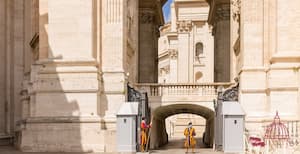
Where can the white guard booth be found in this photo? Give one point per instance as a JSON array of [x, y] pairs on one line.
[[233, 123], [127, 127]]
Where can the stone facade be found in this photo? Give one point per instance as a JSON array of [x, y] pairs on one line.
[[264, 56], [185, 53], [65, 66]]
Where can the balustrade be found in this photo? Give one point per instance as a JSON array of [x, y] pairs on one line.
[[158, 89]]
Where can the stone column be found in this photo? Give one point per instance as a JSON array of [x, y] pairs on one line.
[[118, 57], [113, 71], [183, 28], [12, 66], [64, 84], [219, 17], [148, 42], [2, 67], [252, 71]]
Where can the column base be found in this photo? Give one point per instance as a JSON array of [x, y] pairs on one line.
[[68, 135]]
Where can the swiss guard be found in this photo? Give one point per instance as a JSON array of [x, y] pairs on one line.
[[190, 141], [144, 128]]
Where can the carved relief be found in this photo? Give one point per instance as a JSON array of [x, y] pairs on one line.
[[232, 93], [173, 54], [184, 26], [164, 70], [236, 9]]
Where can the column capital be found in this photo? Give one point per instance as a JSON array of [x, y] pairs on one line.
[[219, 10], [184, 25], [146, 16], [222, 12]]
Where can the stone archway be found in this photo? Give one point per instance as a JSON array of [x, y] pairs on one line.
[[159, 135]]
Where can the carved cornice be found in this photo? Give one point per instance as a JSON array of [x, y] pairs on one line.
[[184, 26]]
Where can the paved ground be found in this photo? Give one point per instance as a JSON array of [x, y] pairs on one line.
[[174, 147]]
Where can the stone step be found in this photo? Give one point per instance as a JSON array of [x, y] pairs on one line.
[[6, 140]]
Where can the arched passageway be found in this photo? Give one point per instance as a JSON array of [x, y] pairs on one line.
[[159, 136], [175, 125]]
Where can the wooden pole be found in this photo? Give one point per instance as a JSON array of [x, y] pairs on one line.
[[147, 143]]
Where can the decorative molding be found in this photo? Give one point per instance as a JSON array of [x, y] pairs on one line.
[[184, 25], [164, 70]]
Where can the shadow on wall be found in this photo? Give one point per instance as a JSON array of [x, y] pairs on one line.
[[63, 109]]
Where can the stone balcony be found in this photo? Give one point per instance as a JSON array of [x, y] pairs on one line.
[[181, 92]]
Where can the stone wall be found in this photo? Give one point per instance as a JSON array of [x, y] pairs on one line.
[[64, 71], [270, 72], [264, 55]]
